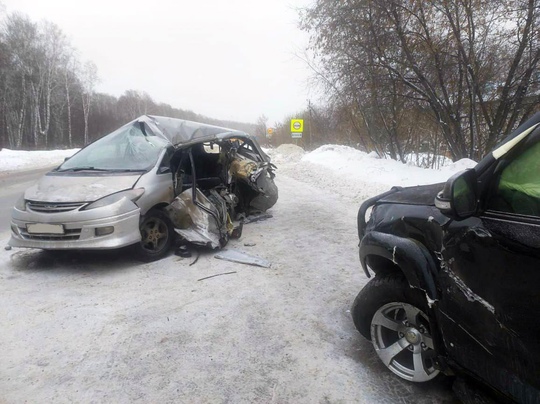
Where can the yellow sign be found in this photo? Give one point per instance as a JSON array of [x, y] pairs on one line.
[[270, 131], [297, 125]]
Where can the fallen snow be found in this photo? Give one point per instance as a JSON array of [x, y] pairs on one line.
[[14, 160], [355, 174]]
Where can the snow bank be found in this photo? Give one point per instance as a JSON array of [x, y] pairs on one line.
[[286, 153], [12, 160], [356, 174], [368, 167]]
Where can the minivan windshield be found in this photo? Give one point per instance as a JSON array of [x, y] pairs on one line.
[[130, 148]]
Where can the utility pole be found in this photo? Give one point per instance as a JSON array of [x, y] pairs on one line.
[[310, 124]]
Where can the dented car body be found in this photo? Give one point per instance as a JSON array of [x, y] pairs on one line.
[[141, 184], [457, 273]]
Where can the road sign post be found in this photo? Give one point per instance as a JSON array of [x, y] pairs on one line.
[[297, 127]]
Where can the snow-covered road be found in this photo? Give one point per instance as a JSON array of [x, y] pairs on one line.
[[100, 327]]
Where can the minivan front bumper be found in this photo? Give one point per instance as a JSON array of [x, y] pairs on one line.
[[100, 228]]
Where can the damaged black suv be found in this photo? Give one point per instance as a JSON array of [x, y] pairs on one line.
[[457, 273]]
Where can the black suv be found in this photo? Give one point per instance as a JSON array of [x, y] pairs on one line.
[[457, 273]]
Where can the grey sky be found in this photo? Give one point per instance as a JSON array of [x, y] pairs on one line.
[[229, 59]]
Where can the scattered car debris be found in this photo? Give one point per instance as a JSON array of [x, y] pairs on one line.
[[183, 251], [196, 259], [257, 218], [250, 244], [242, 258], [213, 276]]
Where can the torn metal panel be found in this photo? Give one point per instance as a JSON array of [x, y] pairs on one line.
[[200, 224], [242, 258], [263, 192]]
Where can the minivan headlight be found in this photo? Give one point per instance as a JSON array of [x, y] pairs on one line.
[[21, 204], [131, 194]]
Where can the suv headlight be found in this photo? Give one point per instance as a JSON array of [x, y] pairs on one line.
[[131, 194]]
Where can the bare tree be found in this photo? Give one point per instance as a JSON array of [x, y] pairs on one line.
[[471, 63], [89, 79]]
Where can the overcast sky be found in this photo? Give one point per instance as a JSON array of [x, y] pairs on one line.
[[228, 59]]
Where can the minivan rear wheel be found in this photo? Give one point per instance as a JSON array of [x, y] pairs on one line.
[[156, 236]]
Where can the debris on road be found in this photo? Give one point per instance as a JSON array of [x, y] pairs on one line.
[[183, 251], [213, 276], [242, 258], [257, 218]]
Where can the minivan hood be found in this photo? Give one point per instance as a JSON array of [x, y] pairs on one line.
[[419, 195], [78, 188]]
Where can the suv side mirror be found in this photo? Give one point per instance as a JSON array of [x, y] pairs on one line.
[[459, 198]]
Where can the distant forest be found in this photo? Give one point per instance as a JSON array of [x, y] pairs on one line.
[[404, 78], [48, 98]]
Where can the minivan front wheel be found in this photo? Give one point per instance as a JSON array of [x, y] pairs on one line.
[[156, 236], [393, 316]]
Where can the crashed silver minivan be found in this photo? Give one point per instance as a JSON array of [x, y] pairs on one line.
[[152, 179]]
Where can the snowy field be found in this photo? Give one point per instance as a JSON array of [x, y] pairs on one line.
[[17, 160], [100, 327]]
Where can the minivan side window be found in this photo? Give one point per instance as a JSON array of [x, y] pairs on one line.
[[518, 188]]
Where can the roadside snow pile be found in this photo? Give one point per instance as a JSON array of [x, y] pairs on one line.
[[286, 153], [358, 175], [459, 165], [11, 160], [367, 167]]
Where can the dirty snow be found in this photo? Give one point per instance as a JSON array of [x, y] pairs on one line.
[[101, 327]]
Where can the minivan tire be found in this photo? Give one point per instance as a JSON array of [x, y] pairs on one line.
[[157, 236]]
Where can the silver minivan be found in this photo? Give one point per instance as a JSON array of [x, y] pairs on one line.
[[152, 179]]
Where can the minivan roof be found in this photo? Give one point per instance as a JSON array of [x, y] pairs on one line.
[[179, 131]]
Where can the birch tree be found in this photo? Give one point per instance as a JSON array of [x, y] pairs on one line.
[[89, 79]]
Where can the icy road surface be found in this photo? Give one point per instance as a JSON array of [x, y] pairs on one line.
[[101, 327]]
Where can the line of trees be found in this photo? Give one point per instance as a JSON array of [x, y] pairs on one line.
[[444, 76], [48, 97]]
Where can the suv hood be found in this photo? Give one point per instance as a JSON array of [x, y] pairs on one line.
[[419, 195], [78, 188]]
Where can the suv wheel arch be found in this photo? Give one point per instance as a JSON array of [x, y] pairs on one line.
[[412, 258]]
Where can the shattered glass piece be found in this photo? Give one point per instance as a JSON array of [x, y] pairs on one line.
[[242, 258]]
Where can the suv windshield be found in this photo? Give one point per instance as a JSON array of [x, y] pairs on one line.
[[126, 149]]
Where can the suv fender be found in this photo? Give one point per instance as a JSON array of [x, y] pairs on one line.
[[409, 255]]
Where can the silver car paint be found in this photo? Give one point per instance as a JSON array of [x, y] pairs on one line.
[[124, 215], [78, 188]]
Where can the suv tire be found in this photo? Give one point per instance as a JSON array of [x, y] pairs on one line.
[[392, 315]]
